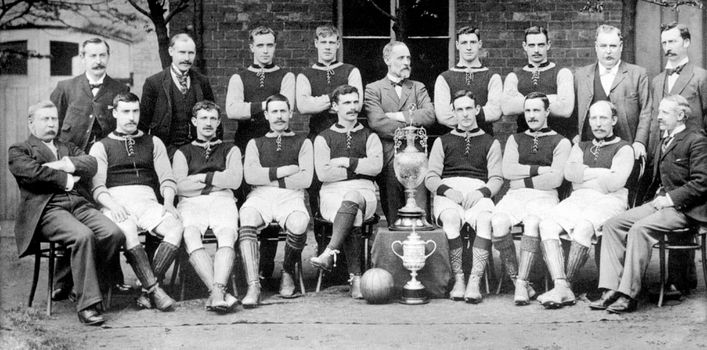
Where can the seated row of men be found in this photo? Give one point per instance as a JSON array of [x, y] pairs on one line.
[[466, 169]]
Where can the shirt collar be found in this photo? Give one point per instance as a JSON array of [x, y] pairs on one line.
[[677, 129], [394, 79], [99, 81], [176, 71], [683, 61], [612, 71]]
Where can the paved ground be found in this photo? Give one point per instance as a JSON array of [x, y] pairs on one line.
[[330, 319]]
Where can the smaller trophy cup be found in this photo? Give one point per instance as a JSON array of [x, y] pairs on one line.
[[414, 260]]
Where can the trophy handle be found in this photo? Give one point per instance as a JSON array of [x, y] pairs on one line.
[[431, 252], [392, 246]]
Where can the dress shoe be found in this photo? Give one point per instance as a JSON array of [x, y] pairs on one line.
[[622, 304], [607, 298], [91, 316], [60, 294]]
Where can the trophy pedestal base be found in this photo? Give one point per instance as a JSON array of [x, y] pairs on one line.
[[414, 297], [407, 220]]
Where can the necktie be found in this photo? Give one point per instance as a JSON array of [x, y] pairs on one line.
[[664, 145], [182, 78], [676, 70]]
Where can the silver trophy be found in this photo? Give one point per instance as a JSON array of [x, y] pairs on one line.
[[414, 260], [410, 165]]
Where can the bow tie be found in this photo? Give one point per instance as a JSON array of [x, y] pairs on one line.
[[95, 86], [400, 83], [676, 70]]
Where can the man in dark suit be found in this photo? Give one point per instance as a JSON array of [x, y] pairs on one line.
[[52, 208], [680, 174], [82, 101], [680, 77], [168, 97], [83, 109], [623, 84], [393, 102]]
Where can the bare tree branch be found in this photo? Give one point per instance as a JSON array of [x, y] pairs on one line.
[[139, 9], [675, 4], [181, 6], [382, 11]]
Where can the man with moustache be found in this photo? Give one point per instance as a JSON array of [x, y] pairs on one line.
[[245, 102], [51, 209], [348, 156], [469, 74], [207, 172], [315, 84], [83, 109], [533, 162], [680, 177], [464, 173], [622, 83], [279, 166], [393, 102], [598, 170], [680, 77], [250, 87], [543, 76], [168, 96], [131, 166]]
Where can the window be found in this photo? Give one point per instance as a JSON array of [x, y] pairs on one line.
[[62, 53], [365, 30], [13, 57]]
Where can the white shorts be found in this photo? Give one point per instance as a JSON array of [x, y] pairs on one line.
[[142, 205], [275, 204], [464, 185], [590, 205], [522, 202], [332, 194], [216, 211]]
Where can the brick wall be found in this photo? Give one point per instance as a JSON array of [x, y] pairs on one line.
[[226, 27], [502, 23]]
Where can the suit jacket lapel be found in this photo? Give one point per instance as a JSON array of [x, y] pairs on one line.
[[107, 84], [167, 85], [195, 85], [683, 79], [405, 94], [390, 91], [620, 76], [588, 83], [85, 88], [42, 149], [676, 140], [659, 88]]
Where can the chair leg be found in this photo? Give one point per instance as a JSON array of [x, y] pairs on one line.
[[181, 271], [50, 278], [35, 277], [107, 298], [319, 280], [703, 248], [234, 286], [486, 279], [366, 257], [661, 253], [300, 275], [501, 278]]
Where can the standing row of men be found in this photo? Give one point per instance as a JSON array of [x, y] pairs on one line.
[[168, 98]]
